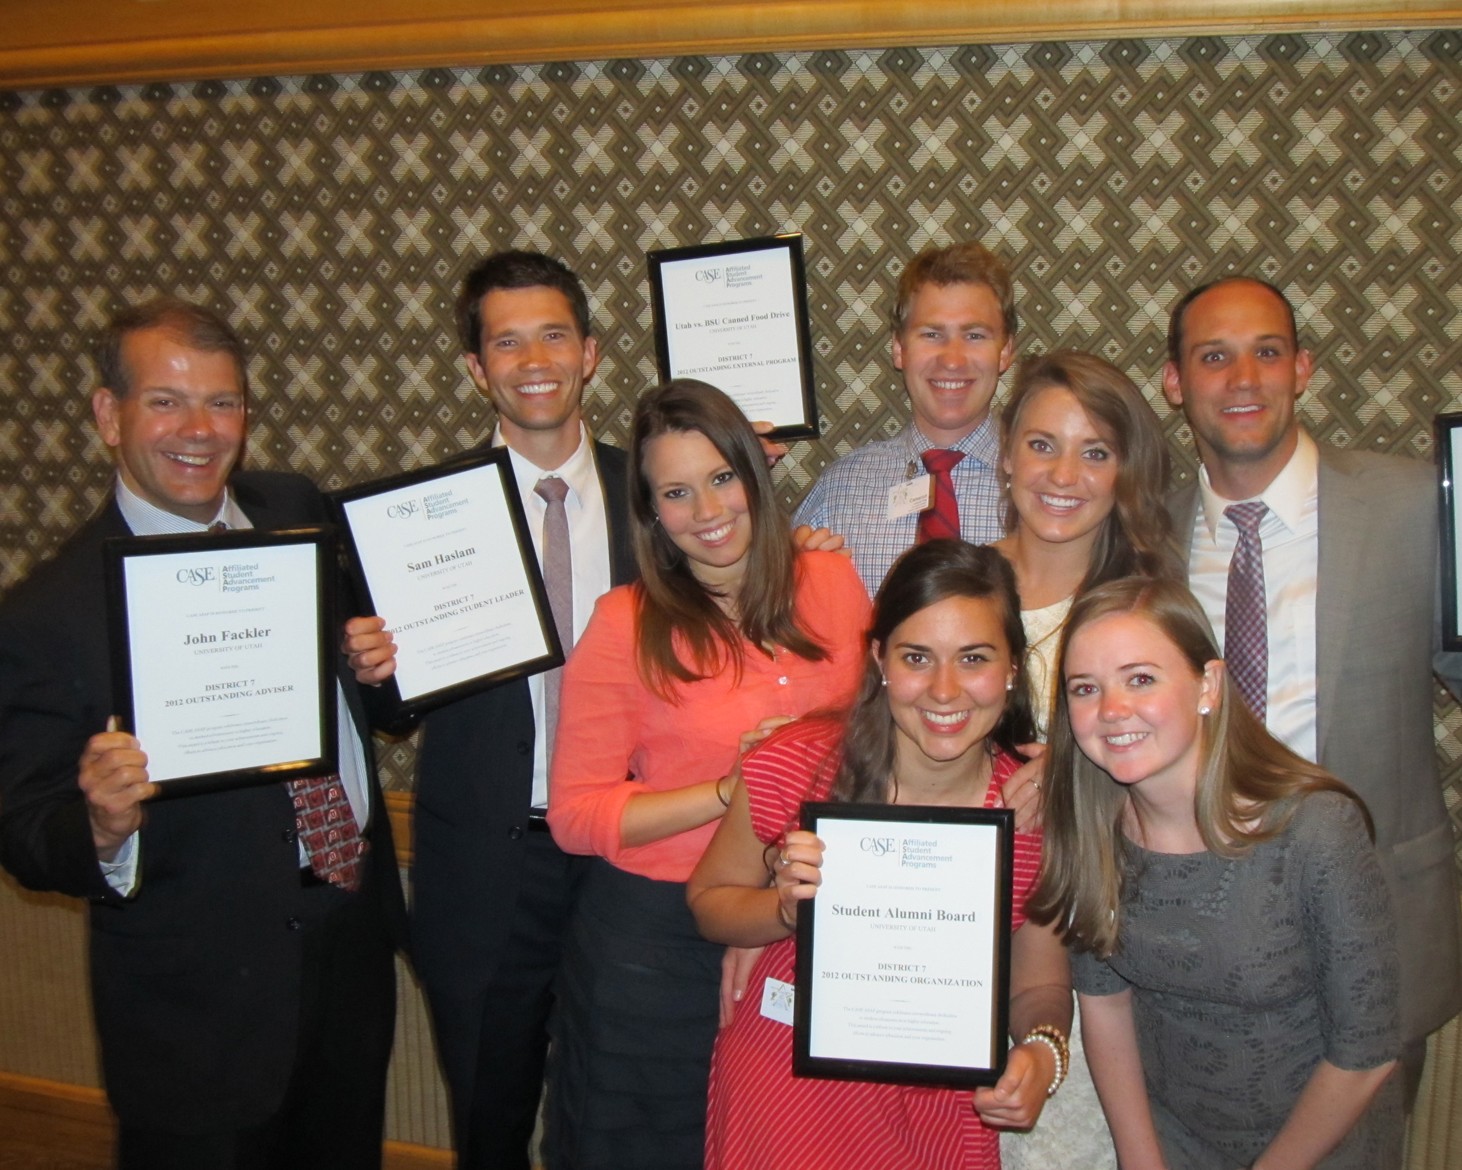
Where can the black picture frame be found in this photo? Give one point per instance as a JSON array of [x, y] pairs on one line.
[[197, 563], [733, 374], [1448, 429], [882, 823], [517, 554]]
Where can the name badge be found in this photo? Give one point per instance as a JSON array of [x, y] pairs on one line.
[[776, 1000], [913, 495]]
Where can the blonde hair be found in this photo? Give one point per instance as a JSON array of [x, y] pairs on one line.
[[1249, 783]]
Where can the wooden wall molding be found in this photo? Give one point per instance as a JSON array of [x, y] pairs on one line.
[[74, 1125], [46, 43]]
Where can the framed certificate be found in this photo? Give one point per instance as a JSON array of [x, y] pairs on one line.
[[445, 556], [222, 653], [903, 957], [1449, 466], [735, 315]]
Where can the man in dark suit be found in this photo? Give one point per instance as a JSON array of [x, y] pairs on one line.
[[245, 1005], [491, 891], [1349, 551]]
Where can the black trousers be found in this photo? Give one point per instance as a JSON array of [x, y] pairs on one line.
[[493, 1042], [333, 1112], [633, 1030]]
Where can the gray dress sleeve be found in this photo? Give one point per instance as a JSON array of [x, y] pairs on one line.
[[1351, 933]]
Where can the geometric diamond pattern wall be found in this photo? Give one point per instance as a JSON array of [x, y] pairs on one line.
[[332, 215]]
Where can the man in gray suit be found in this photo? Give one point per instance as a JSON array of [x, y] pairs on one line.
[[1349, 550]]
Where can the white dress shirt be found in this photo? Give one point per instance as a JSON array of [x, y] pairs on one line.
[[1290, 534], [588, 548]]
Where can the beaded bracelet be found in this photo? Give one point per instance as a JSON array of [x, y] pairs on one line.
[[1051, 1037]]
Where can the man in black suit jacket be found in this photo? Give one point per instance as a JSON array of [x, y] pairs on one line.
[[491, 891], [245, 1007]]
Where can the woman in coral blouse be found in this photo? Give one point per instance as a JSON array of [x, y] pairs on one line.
[[729, 633]]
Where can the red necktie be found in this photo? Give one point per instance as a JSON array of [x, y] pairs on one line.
[[328, 830], [324, 821], [942, 520]]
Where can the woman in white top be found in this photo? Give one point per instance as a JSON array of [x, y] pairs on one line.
[[1086, 467]]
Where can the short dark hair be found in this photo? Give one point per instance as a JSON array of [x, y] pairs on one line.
[[516, 269], [200, 327], [1175, 321], [969, 262]]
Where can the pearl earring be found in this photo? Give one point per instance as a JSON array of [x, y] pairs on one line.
[[1205, 710], [1010, 684]]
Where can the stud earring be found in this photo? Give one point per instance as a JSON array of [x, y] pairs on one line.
[[1205, 710], [1010, 684]]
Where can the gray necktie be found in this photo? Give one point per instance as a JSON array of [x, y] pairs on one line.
[[558, 579]]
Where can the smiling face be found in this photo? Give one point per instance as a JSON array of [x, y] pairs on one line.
[[952, 350], [179, 429], [701, 504], [1062, 468], [1134, 702], [947, 669], [1237, 377], [533, 365]]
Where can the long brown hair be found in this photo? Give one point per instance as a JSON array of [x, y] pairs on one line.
[[672, 602], [1136, 539], [1249, 784], [925, 575]]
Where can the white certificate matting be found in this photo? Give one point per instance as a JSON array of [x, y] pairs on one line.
[[734, 326], [225, 659], [908, 930], [444, 567], [735, 315]]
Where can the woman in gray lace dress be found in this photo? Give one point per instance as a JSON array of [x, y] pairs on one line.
[[1236, 957]]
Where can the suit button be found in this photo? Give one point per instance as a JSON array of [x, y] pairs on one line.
[[293, 923], [515, 833], [291, 837], [524, 747]]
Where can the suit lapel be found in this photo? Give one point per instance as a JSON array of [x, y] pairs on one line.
[[613, 476], [1342, 545]]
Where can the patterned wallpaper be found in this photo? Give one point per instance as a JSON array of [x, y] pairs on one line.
[[332, 216]]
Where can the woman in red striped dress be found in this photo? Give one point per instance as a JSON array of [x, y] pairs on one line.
[[939, 712]]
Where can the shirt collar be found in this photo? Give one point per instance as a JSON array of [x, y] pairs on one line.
[[1287, 494], [982, 444], [147, 519], [578, 470]]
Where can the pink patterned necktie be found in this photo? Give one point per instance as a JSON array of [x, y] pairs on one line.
[[328, 830], [1246, 621], [558, 580], [942, 520]]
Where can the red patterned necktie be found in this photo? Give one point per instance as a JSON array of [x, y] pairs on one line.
[[324, 821], [1246, 619], [328, 830], [942, 520]]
